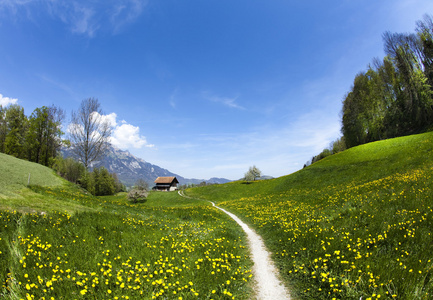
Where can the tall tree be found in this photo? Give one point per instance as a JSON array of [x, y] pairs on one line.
[[89, 131], [44, 134], [425, 33], [16, 127], [56, 116], [3, 128], [416, 93]]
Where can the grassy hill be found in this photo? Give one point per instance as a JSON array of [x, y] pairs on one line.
[[59, 242], [14, 175], [356, 224]]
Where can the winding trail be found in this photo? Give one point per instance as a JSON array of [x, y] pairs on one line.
[[268, 286]]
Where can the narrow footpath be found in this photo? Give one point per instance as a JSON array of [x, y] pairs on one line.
[[268, 286]]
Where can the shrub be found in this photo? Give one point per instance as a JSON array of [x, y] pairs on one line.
[[137, 195]]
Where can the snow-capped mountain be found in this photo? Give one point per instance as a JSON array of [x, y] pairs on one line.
[[130, 168]]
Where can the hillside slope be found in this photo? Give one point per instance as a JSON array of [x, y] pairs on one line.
[[14, 175], [59, 242], [356, 224]]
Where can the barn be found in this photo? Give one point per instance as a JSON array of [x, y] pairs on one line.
[[166, 183]]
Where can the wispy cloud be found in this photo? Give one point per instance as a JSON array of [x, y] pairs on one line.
[[5, 101], [55, 83], [227, 101], [82, 17], [277, 149]]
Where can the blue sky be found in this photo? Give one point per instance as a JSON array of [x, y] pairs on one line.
[[201, 88]]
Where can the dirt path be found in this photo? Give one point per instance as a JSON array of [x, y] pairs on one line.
[[268, 286]]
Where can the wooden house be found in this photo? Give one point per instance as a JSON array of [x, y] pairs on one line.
[[166, 184]]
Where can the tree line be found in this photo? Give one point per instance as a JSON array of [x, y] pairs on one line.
[[38, 138], [393, 97]]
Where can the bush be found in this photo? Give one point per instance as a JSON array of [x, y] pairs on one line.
[[137, 195], [69, 169]]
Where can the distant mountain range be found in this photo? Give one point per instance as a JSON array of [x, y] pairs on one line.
[[130, 168]]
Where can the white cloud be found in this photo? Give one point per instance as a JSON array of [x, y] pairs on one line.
[[111, 119], [5, 101], [127, 136]]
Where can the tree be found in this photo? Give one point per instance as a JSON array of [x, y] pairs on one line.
[[425, 33], [253, 174], [16, 127], [119, 186], [104, 182], [407, 53], [43, 138], [70, 169], [139, 192], [136, 195], [89, 132], [3, 128], [141, 185]]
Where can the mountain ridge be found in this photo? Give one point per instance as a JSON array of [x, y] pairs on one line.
[[130, 168]]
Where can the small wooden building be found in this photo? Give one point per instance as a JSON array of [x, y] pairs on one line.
[[166, 184]]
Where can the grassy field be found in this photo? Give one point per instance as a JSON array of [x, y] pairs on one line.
[[356, 224], [58, 242], [16, 174]]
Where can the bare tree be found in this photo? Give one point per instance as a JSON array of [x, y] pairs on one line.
[[140, 184], [89, 131]]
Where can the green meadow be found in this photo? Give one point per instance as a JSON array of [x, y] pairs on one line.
[[355, 224], [59, 242]]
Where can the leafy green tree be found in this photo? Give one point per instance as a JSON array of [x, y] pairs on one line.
[[103, 182], [415, 97], [43, 138], [425, 33], [118, 185], [339, 145], [16, 127], [70, 169], [3, 128]]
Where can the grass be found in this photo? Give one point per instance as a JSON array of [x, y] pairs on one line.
[[356, 224], [56, 241], [14, 176]]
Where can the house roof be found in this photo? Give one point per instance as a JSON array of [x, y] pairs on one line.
[[166, 180]]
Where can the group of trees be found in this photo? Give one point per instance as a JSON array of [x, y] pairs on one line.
[[394, 96], [38, 138], [99, 181]]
